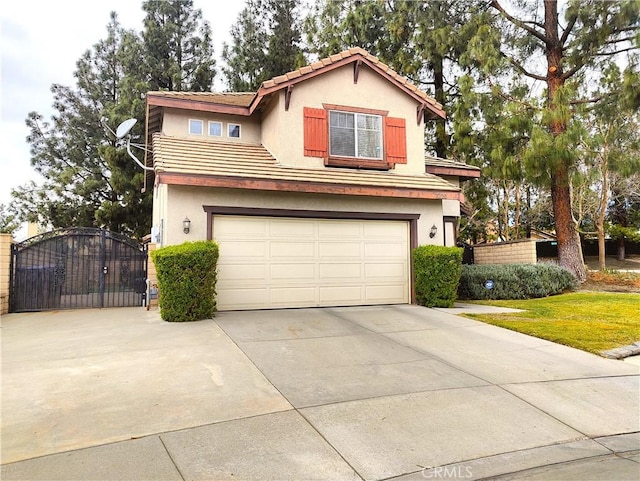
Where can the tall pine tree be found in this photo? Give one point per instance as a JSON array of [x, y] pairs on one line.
[[284, 53], [245, 58], [553, 48], [89, 182], [266, 42], [178, 49], [610, 151]]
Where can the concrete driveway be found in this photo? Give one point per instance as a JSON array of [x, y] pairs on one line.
[[343, 393]]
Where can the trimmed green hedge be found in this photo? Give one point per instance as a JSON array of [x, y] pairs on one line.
[[437, 272], [187, 280], [514, 281]]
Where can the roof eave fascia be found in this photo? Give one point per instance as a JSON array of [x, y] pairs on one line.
[[185, 104], [433, 111], [453, 171], [234, 182]]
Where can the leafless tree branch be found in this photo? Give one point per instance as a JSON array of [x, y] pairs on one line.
[[518, 23]]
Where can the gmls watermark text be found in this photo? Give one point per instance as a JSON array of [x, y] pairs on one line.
[[448, 472]]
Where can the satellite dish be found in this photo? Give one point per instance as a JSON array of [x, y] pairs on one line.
[[122, 131], [124, 128]]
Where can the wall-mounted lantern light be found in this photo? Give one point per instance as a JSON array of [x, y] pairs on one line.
[[186, 225], [433, 231]]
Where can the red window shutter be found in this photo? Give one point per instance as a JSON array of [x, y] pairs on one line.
[[316, 139], [395, 138]]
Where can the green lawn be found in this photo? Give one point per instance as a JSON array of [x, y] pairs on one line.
[[592, 321]]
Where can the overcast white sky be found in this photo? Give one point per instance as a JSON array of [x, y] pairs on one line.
[[41, 41]]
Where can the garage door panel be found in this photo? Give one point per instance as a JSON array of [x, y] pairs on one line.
[[242, 250], [339, 230], [385, 250], [292, 272], [292, 249], [242, 272], [391, 271], [341, 295], [385, 230], [249, 226], [342, 271], [242, 298], [340, 249], [285, 228], [383, 293], [286, 262], [293, 296]]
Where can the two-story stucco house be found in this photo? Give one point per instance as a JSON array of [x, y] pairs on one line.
[[315, 186]]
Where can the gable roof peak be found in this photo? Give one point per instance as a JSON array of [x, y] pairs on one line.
[[245, 103], [347, 56]]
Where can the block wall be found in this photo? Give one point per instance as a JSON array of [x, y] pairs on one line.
[[514, 252]]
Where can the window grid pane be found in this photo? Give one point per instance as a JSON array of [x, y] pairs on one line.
[[195, 127], [369, 136], [369, 144], [346, 140], [215, 129], [233, 130], [342, 136]]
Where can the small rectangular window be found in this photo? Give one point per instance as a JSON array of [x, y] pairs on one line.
[[215, 129], [195, 126], [233, 130]]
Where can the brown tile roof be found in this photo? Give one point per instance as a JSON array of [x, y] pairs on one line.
[[251, 100], [352, 52], [240, 99], [204, 158]]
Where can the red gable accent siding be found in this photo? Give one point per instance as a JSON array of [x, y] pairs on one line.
[[316, 138], [395, 138]]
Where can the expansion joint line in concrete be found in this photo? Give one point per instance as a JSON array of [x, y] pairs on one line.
[[171, 457]]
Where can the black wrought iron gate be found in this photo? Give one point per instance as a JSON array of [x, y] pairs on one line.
[[77, 268]]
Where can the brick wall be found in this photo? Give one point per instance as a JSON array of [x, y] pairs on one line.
[[5, 263], [514, 252]]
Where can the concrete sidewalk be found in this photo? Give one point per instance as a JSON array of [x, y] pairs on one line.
[[393, 392]]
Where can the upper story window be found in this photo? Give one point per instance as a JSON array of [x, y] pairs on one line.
[[195, 126], [215, 129], [355, 135], [233, 130]]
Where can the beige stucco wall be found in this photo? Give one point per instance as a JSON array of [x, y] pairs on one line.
[[283, 134], [5, 264], [451, 179], [176, 124], [152, 275], [514, 252], [272, 115], [183, 200], [159, 212], [451, 208]]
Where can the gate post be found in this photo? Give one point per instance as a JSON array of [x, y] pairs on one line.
[[5, 271]]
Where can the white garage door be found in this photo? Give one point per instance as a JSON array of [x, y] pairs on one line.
[[269, 262]]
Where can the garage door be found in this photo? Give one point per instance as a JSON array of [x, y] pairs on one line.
[[268, 262]]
